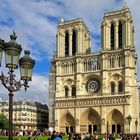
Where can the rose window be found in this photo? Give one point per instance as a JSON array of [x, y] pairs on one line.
[[93, 85]]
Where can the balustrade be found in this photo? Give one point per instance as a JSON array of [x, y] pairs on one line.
[[94, 101], [91, 62]]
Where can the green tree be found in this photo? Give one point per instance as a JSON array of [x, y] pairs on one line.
[[3, 122]]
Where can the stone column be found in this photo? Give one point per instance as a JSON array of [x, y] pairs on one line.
[[103, 36], [57, 44], [61, 45], [107, 36], [70, 43], [128, 35], [80, 41]]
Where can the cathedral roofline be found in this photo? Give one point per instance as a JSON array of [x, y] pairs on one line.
[[123, 10], [77, 20], [70, 21]]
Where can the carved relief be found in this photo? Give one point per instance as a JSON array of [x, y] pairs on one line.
[[116, 77], [69, 82], [88, 102]]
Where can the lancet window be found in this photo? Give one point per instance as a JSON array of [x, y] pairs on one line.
[[120, 35], [112, 37], [74, 41], [66, 91], [112, 88], [66, 44]]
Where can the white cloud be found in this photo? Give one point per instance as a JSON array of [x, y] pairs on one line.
[[35, 22]]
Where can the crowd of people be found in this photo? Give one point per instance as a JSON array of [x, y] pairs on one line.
[[88, 136], [73, 136]]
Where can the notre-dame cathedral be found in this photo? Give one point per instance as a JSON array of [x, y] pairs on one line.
[[95, 92]]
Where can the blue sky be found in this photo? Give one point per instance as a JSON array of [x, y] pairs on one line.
[[35, 23]]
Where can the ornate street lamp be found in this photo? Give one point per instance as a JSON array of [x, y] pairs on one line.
[[12, 54], [1, 49], [129, 118], [136, 124], [26, 68]]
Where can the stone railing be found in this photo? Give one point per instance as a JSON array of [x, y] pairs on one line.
[[93, 101], [87, 62], [90, 62]]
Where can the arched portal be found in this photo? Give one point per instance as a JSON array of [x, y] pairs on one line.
[[67, 123], [115, 121], [90, 121]]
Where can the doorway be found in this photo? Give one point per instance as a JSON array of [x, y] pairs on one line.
[[113, 128], [89, 128], [118, 128]]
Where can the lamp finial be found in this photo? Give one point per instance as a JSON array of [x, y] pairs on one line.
[[13, 36]]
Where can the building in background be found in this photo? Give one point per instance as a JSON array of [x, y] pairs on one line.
[[52, 95], [27, 115], [95, 92], [0, 106]]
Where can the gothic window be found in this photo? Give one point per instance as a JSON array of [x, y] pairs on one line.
[[73, 91], [112, 36], [119, 61], [120, 87], [66, 92], [109, 62], [73, 42], [120, 35], [113, 62], [66, 44], [112, 88]]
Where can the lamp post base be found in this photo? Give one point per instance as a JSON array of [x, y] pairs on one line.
[[10, 116]]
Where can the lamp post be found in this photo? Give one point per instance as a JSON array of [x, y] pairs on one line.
[[136, 124], [107, 132], [129, 118], [12, 52]]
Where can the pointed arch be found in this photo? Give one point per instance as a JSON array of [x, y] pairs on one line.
[[66, 43], [67, 119], [91, 116], [73, 91], [67, 122], [74, 42], [120, 35], [115, 120], [120, 87], [112, 86], [116, 76], [66, 91], [90, 120], [112, 37], [68, 82]]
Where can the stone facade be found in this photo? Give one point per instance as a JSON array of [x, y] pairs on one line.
[[27, 115], [96, 92], [52, 95]]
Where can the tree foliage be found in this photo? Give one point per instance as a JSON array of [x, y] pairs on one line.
[[3, 122]]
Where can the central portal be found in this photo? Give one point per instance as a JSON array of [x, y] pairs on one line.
[[91, 120]]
